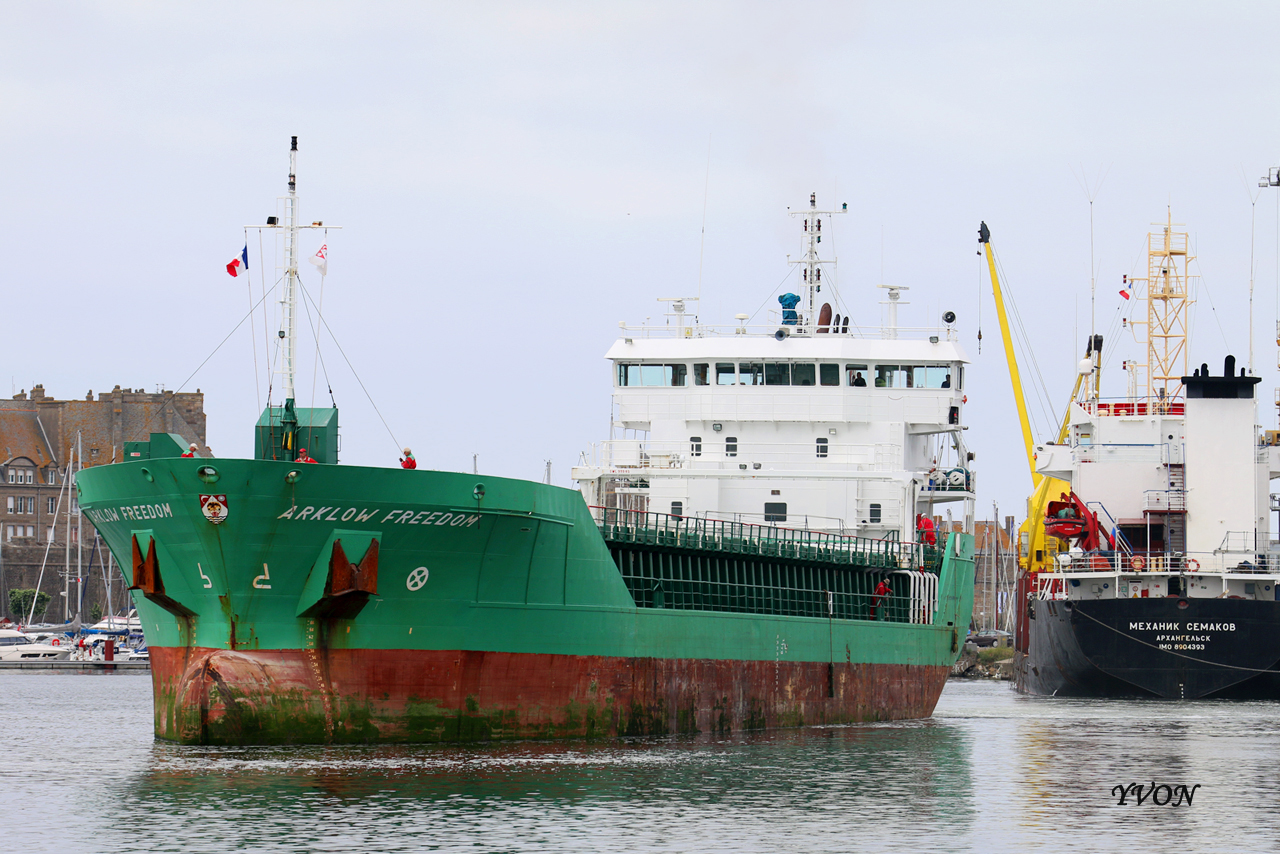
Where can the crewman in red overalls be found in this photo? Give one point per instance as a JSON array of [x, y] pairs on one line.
[[302, 456], [407, 461], [191, 452], [924, 525], [883, 591]]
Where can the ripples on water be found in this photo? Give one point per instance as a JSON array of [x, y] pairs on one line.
[[990, 772]]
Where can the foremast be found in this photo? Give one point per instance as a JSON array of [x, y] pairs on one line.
[[289, 296], [287, 225]]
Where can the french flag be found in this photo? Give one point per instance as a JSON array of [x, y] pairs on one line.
[[239, 266], [1126, 291]]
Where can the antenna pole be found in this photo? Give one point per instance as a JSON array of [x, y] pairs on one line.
[[812, 265]]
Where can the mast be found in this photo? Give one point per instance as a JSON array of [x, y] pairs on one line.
[[287, 225], [811, 265], [79, 533], [1166, 290], [289, 298], [66, 553]]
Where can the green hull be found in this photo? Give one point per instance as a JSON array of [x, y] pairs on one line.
[[465, 607]]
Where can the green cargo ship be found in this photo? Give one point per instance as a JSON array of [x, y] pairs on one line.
[[288, 602]]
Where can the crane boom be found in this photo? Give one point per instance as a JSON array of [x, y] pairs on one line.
[[984, 237]]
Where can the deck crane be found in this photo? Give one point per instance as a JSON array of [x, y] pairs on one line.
[[1036, 548]]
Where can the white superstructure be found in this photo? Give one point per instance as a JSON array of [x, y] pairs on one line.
[[1176, 481], [812, 421]]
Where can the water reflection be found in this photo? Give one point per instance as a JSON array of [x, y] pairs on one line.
[[825, 786], [992, 772], [1069, 760]]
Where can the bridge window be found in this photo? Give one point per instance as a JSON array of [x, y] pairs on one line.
[[856, 375], [822, 446], [750, 373], [803, 374], [928, 376], [652, 375], [891, 376], [695, 446], [702, 374], [829, 374], [730, 446], [725, 373], [775, 511], [777, 373], [873, 514]]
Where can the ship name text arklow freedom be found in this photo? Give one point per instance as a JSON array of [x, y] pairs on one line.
[[395, 517]]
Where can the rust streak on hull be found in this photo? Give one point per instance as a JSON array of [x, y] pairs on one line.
[[216, 696]]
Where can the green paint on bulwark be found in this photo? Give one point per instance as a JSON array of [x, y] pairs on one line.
[[499, 616]]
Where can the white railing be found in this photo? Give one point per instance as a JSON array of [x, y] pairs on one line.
[[1263, 561], [1165, 500], [923, 588], [770, 330]]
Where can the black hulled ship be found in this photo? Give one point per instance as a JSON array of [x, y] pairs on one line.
[[1146, 563]]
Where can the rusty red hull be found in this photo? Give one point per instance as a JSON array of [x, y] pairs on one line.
[[212, 696]]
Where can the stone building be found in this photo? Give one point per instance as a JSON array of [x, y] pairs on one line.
[[40, 521]]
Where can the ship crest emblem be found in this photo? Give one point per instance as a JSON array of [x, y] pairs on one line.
[[214, 508]]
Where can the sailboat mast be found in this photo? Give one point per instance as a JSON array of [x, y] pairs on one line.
[[79, 533], [289, 299]]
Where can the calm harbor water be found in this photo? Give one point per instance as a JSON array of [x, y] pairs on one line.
[[991, 771]]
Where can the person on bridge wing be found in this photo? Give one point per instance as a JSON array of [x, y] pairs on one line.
[[883, 591], [303, 457], [924, 525], [407, 461], [191, 451]]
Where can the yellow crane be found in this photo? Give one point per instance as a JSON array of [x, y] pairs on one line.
[[1036, 549]]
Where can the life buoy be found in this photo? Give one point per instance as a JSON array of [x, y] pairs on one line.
[[1137, 562], [1193, 564], [56, 642]]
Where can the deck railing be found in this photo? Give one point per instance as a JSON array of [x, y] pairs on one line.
[[697, 533]]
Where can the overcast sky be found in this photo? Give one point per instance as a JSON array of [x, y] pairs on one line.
[[514, 179]]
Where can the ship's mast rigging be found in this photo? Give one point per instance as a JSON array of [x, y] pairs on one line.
[[287, 226], [811, 265]]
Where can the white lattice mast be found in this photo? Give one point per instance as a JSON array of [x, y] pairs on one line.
[[1166, 290], [811, 265]]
